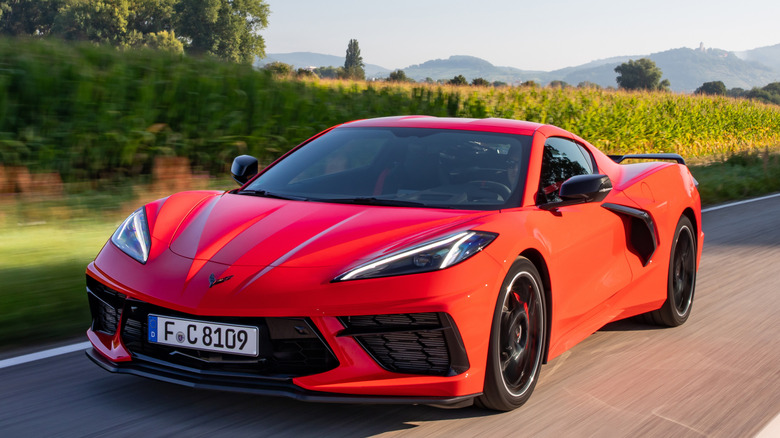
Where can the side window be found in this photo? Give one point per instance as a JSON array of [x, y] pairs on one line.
[[562, 160]]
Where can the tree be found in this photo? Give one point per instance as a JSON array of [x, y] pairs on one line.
[[278, 68], [736, 92], [458, 80], [353, 64], [162, 40], [227, 29], [152, 16], [100, 21], [773, 88], [398, 76], [588, 84], [330, 72], [769, 93], [640, 75], [558, 84], [715, 88], [28, 17], [303, 73], [480, 82]]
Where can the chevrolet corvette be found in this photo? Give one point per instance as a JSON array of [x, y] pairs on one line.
[[407, 259]]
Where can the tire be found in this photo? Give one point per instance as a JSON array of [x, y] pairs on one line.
[[517, 339], [681, 282]]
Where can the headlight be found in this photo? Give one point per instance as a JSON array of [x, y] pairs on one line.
[[132, 237], [430, 256]]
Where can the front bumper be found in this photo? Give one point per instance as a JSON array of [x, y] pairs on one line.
[[162, 371], [388, 358]]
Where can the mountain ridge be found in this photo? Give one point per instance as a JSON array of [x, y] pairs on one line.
[[767, 55], [686, 69]]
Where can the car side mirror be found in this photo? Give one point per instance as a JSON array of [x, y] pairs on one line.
[[581, 189], [244, 168], [586, 188]]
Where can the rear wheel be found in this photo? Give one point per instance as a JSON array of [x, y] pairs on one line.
[[516, 340], [681, 282]]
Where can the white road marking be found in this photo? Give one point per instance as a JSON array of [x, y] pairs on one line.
[[43, 354], [734, 204], [772, 429]]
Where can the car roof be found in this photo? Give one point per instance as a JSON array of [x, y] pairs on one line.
[[485, 125]]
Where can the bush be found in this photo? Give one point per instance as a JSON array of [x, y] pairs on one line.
[[94, 112]]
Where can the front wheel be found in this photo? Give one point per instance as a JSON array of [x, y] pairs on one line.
[[517, 339], [681, 282]]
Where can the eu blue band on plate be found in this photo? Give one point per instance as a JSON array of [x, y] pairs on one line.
[[152, 328]]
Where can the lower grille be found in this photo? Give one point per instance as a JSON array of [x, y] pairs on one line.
[[410, 343], [289, 347], [105, 305]]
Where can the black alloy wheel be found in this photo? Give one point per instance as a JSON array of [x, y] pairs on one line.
[[517, 339], [681, 282]]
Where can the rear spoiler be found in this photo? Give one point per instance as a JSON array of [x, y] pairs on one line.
[[676, 157]]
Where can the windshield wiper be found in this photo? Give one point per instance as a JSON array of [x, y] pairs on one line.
[[376, 201], [267, 194]]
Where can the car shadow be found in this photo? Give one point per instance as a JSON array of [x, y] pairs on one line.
[[632, 324], [141, 405]]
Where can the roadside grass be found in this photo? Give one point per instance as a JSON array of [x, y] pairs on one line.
[[743, 175], [45, 245], [42, 267]]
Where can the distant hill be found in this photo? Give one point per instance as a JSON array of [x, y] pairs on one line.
[[469, 66], [309, 59], [769, 56], [686, 69]]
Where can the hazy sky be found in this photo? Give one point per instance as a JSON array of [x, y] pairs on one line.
[[541, 35]]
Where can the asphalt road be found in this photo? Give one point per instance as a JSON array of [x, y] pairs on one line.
[[716, 376]]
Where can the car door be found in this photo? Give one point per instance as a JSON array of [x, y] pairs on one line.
[[587, 242]]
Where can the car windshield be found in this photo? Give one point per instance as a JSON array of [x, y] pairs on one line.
[[404, 167]]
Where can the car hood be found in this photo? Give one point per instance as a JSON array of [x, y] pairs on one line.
[[243, 230]]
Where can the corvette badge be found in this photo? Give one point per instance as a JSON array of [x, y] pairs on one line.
[[213, 280]]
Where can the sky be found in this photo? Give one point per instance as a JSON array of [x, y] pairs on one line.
[[541, 35]]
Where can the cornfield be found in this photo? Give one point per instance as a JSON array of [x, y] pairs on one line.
[[92, 112]]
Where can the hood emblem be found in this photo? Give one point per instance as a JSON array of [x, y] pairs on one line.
[[213, 280]]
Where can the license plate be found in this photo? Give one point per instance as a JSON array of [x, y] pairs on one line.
[[200, 335]]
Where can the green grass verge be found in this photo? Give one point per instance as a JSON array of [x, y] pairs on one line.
[[45, 247], [43, 295], [744, 175]]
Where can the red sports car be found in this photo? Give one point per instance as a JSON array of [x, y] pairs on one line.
[[403, 259]]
